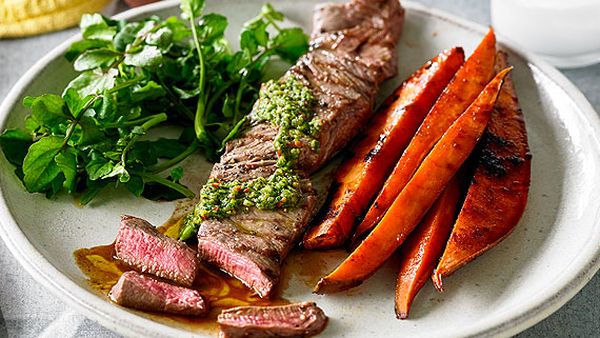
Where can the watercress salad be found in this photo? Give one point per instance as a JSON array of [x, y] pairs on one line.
[[137, 76]]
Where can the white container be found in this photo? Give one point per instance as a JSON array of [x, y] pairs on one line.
[[564, 32]]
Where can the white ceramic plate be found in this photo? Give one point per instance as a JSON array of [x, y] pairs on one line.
[[553, 252]]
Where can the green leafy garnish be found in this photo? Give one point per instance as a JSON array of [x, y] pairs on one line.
[[134, 77]]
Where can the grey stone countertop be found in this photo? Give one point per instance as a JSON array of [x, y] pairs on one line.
[[28, 310]]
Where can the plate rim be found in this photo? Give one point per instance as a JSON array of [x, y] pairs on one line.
[[129, 323]]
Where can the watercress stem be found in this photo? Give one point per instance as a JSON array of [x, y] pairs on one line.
[[156, 119], [176, 101], [75, 122], [189, 230], [200, 108], [169, 163], [238, 101], [272, 22], [217, 96]]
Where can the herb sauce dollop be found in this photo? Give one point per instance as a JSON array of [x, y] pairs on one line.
[[288, 104]]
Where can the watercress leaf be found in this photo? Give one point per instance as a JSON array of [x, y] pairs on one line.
[[114, 155], [290, 44], [192, 8], [67, 162], [133, 113], [79, 47], [179, 28], [14, 143], [88, 20], [55, 186], [98, 167], [39, 166], [240, 60], [138, 130], [248, 42], [28, 101], [119, 171], [162, 38], [95, 26], [149, 91], [258, 28], [212, 26], [93, 81], [176, 174], [135, 185], [250, 24], [97, 58], [143, 153], [149, 56], [32, 125], [126, 35], [89, 131], [75, 103], [221, 53], [49, 110], [185, 94], [268, 11], [147, 27]]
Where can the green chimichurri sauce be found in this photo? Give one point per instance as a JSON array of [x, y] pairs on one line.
[[224, 198], [289, 106]]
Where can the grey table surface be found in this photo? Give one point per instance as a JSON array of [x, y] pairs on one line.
[[28, 310]]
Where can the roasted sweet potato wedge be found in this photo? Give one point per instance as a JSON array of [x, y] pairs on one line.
[[424, 246], [381, 144], [497, 196], [462, 90], [418, 195]]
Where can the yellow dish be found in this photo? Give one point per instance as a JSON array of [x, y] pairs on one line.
[[20, 18]]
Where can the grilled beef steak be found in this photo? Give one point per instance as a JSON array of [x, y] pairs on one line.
[[146, 293], [352, 52], [295, 320], [142, 247]]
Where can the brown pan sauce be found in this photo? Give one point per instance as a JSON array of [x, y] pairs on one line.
[[219, 289]]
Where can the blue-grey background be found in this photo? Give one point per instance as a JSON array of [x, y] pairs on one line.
[[28, 310]]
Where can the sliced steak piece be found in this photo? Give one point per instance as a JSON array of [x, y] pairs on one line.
[[353, 49], [142, 247], [252, 245], [146, 293], [295, 320]]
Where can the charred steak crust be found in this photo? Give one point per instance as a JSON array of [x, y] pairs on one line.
[[295, 320], [352, 52], [142, 292], [249, 156], [142, 247]]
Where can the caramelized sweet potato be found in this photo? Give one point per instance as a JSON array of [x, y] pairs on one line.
[[497, 196], [462, 90], [380, 146], [424, 246], [418, 196]]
